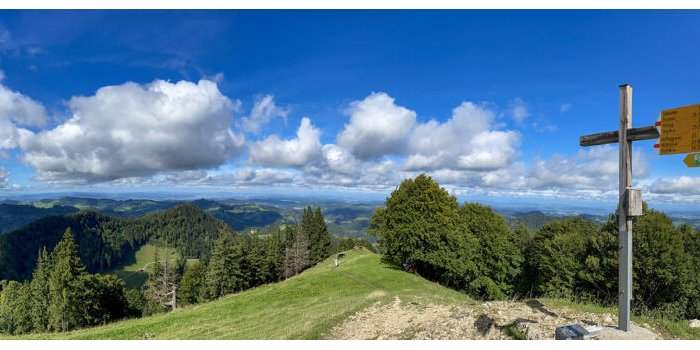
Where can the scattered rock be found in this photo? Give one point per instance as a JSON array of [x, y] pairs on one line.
[[491, 320], [607, 319], [694, 323]]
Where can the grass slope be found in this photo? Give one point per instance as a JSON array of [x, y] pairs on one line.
[[136, 273], [303, 307], [307, 306]]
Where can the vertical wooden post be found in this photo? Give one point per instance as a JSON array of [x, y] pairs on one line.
[[625, 222]]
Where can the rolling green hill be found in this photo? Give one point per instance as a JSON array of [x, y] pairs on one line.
[[135, 273], [303, 307]]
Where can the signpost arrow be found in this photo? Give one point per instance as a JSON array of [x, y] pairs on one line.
[[692, 160], [680, 130]]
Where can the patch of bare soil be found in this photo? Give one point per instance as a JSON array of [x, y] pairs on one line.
[[490, 320]]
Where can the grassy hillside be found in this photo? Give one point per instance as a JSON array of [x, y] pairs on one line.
[[136, 272], [308, 306], [303, 307]]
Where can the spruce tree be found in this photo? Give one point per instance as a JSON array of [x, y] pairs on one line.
[[66, 270], [191, 290], [15, 308], [223, 272], [322, 246], [40, 292], [297, 255]]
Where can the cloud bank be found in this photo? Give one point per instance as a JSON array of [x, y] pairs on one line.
[[190, 133]]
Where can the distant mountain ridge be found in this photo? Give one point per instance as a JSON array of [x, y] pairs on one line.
[[14, 216]]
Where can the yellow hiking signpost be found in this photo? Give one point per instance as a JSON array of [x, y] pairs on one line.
[[692, 160], [680, 131]]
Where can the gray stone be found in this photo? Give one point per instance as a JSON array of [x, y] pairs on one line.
[[570, 332], [635, 333], [694, 323]]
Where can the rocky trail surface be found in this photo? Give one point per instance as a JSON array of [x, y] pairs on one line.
[[490, 320]]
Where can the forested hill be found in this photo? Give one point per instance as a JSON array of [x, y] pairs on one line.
[[107, 241], [14, 216]]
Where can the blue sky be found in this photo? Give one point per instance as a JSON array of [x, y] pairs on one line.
[[339, 101]]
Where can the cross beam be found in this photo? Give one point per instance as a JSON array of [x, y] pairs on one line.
[[633, 134], [629, 202]]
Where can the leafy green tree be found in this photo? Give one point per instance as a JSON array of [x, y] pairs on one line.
[[597, 278], [191, 290], [40, 292], [499, 256], [691, 242], [136, 302], [66, 270], [419, 230], [97, 299], [556, 255], [660, 264]]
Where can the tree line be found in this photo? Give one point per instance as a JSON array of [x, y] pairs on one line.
[[423, 229], [240, 262], [62, 295]]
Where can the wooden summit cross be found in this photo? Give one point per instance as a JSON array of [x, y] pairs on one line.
[[630, 200]]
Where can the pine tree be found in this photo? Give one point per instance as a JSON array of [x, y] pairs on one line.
[[15, 308], [297, 255], [322, 244], [66, 270], [40, 292], [191, 290], [223, 273]]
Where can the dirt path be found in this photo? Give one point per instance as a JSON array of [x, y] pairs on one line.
[[490, 320]]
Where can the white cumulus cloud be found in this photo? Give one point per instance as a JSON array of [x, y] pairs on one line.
[[263, 111], [16, 111], [340, 160], [592, 169], [680, 185], [377, 127], [467, 141], [134, 130], [276, 152]]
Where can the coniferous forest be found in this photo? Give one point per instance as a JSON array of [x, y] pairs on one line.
[[65, 288]]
